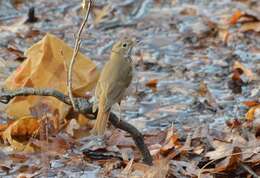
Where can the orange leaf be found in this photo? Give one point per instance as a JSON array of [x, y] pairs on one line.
[[250, 115], [251, 103], [173, 142], [235, 17], [152, 83], [22, 127]]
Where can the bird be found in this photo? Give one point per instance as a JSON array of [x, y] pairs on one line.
[[115, 78]]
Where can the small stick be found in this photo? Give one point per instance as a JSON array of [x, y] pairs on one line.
[[75, 53], [249, 170]]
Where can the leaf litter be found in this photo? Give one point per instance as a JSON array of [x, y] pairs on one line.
[[197, 66]]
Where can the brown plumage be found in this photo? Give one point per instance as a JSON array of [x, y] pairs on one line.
[[114, 79]]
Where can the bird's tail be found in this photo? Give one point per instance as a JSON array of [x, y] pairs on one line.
[[101, 120]]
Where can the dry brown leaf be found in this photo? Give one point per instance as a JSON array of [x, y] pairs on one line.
[[221, 150], [181, 168], [246, 71], [230, 152], [242, 17], [73, 125], [251, 103], [118, 137], [152, 84], [172, 143], [223, 34], [235, 17], [204, 92], [250, 115], [18, 53], [231, 162], [158, 170], [127, 170], [250, 26], [26, 126], [203, 89], [234, 123]]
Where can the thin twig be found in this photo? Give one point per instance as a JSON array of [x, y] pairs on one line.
[[249, 170], [75, 53], [201, 170]]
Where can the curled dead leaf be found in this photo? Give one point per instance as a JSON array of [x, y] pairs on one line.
[[250, 26], [251, 114], [234, 123], [25, 126], [246, 71], [223, 34], [152, 84]]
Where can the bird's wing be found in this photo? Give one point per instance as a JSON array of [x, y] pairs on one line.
[[116, 91]]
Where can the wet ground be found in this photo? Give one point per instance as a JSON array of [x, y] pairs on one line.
[[181, 47]]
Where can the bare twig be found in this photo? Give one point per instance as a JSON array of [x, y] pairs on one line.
[[75, 53], [249, 170], [85, 108]]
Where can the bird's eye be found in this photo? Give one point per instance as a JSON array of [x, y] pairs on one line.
[[124, 45]]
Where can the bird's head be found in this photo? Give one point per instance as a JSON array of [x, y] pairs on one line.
[[124, 47]]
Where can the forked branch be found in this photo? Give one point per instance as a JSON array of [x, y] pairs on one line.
[[85, 108]]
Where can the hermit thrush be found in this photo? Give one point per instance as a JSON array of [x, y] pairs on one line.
[[114, 79]]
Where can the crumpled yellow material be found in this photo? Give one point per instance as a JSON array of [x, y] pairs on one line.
[[46, 67]]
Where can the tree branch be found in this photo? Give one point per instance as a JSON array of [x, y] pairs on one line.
[[85, 108]]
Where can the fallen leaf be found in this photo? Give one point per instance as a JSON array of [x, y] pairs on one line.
[[246, 71], [236, 83], [73, 125], [230, 162], [158, 170], [251, 103], [250, 26], [118, 137], [223, 34], [235, 17], [18, 53], [203, 89], [242, 17], [152, 84], [173, 142], [183, 169], [26, 126], [127, 170], [250, 115], [204, 92], [234, 123]]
